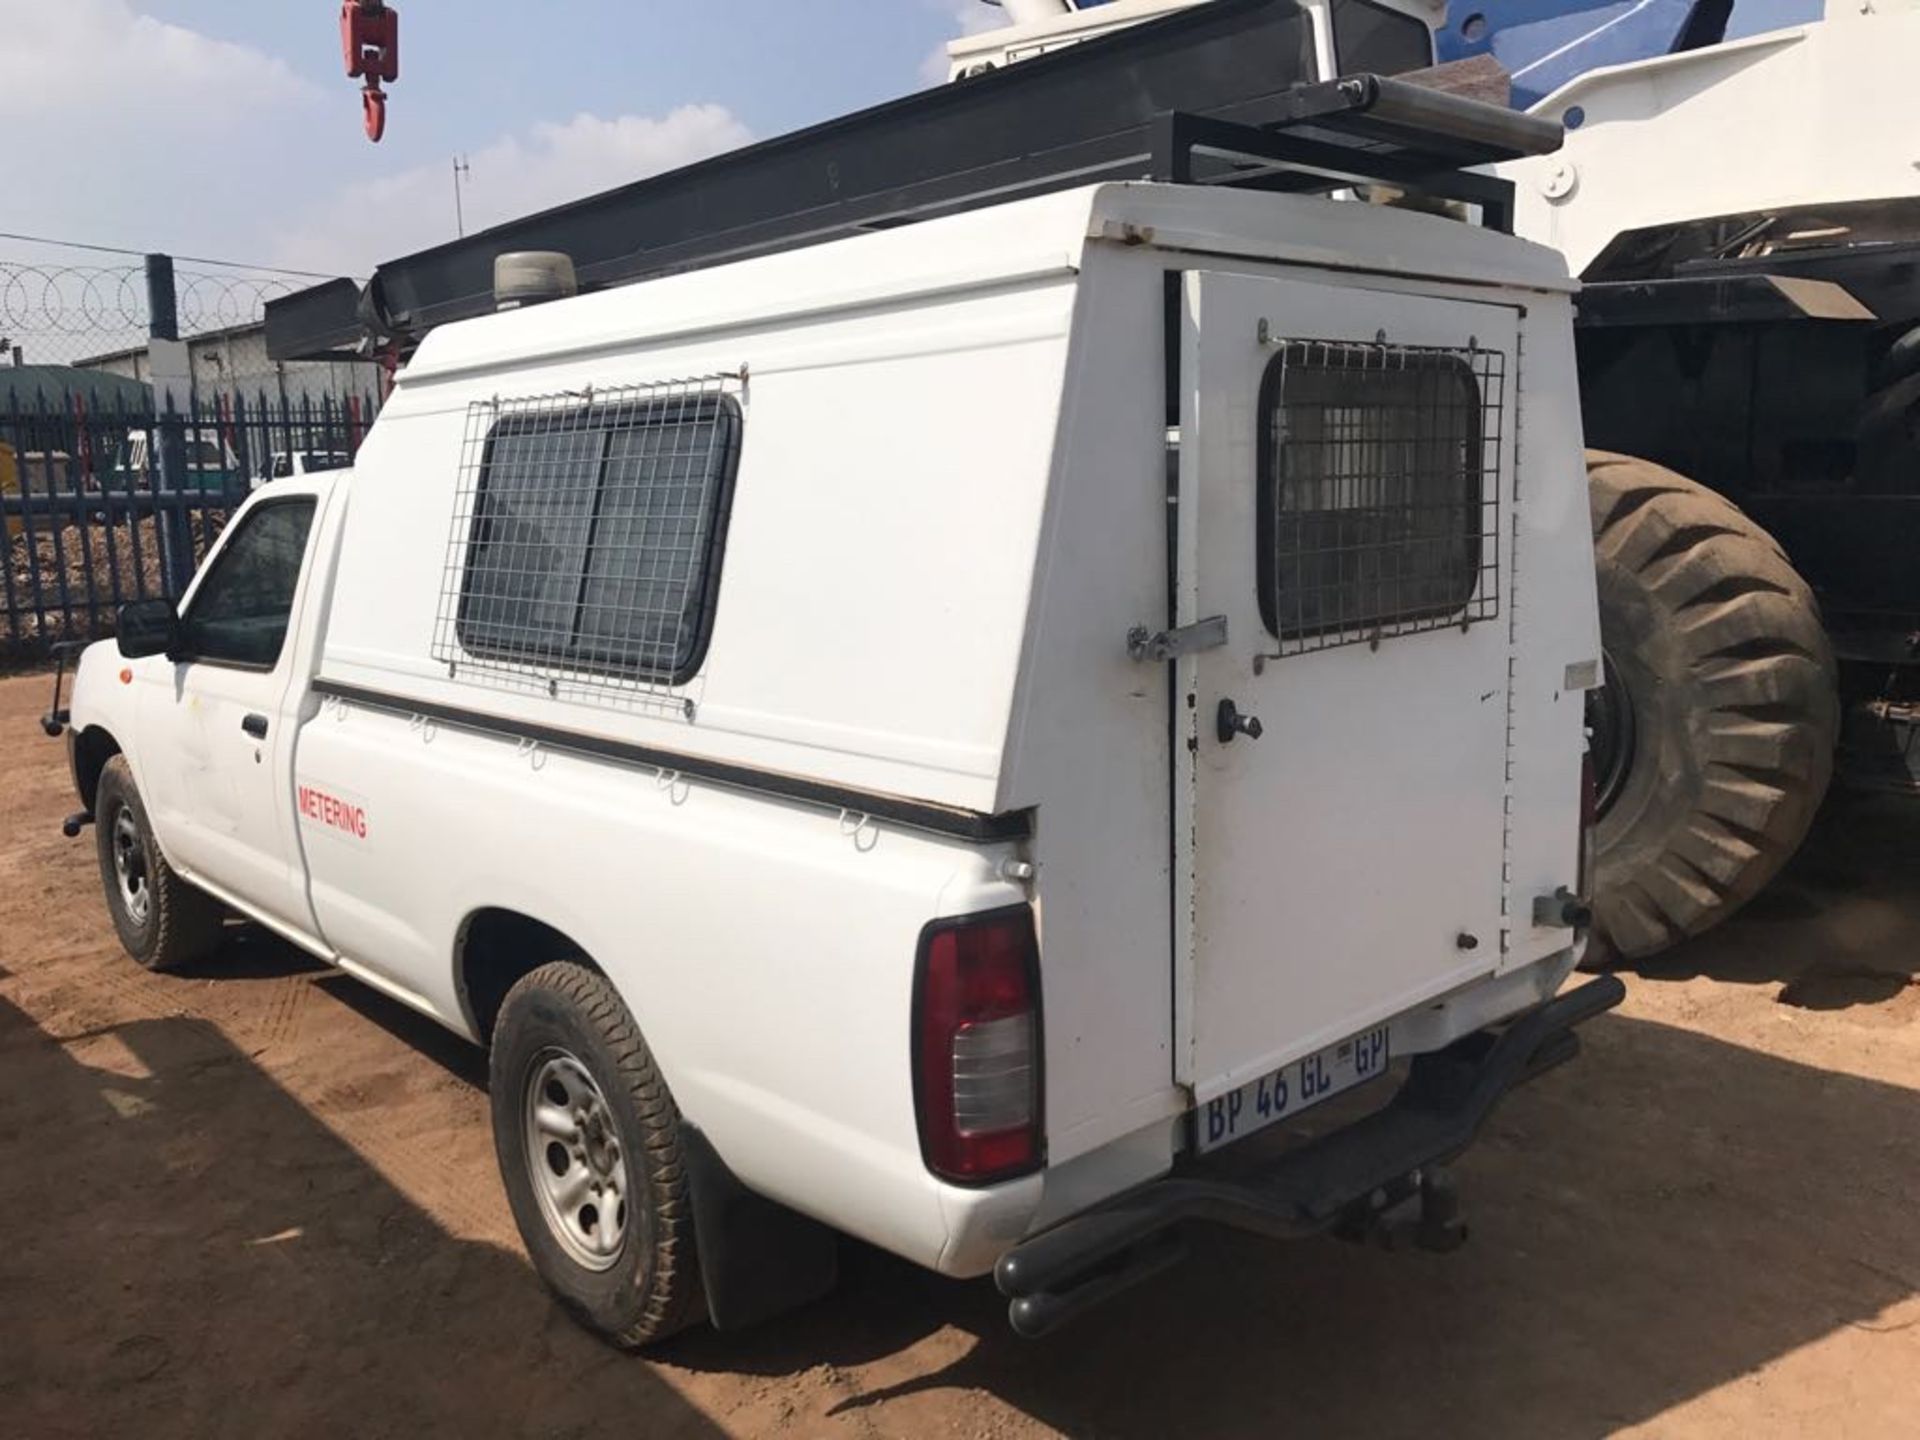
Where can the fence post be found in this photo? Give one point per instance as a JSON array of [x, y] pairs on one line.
[[171, 373]]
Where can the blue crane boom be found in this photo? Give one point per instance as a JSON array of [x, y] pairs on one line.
[[1544, 44]]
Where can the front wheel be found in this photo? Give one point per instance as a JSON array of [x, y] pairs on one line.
[[1713, 738], [162, 921], [589, 1146]]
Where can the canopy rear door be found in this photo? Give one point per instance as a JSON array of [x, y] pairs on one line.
[[1344, 484]]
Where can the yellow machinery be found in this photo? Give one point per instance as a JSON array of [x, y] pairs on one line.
[[10, 486]]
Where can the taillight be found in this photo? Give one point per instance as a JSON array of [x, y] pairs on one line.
[[976, 1047]]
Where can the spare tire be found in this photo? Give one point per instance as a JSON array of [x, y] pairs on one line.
[[1713, 738]]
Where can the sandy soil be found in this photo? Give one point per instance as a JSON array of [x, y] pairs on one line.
[[258, 1200]]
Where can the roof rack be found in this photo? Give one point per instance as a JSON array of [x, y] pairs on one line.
[[1211, 95]]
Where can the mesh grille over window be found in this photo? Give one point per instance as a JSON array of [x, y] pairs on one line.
[[586, 539], [1379, 491]]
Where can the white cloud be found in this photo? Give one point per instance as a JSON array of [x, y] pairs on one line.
[[74, 59], [969, 17], [377, 219], [153, 135], [200, 145]]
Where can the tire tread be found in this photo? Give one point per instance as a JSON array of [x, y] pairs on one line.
[[675, 1298], [189, 923], [1765, 692]]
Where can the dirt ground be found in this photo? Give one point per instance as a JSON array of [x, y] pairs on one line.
[[257, 1199]]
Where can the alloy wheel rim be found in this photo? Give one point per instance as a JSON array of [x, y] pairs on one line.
[[575, 1159]]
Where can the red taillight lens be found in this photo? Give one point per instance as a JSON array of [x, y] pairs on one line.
[[976, 1047]]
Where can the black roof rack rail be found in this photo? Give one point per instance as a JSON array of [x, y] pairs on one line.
[[1215, 94]]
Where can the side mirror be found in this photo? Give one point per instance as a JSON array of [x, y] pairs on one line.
[[147, 627]]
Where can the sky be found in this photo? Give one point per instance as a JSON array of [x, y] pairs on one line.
[[228, 128]]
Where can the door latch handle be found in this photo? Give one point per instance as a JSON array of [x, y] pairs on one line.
[[1229, 722], [1154, 645], [256, 726]]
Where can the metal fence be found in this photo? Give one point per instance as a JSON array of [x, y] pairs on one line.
[[103, 500]]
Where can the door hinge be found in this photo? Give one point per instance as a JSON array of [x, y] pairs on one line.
[[1148, 645]]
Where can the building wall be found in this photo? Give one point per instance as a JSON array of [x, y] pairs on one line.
[[236, 360]]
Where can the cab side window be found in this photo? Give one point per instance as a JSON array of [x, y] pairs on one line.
[[242, 609]]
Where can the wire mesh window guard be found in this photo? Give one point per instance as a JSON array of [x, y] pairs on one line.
[[1379, 502], [584, 552]]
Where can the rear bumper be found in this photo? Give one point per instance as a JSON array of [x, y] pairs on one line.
[[1349, 1177]]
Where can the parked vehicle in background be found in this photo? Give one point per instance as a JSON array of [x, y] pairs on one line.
[[1749, 347], [283, 463], [209, 464], [1750, 379]]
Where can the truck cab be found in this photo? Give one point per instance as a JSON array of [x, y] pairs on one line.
[[210, 719]]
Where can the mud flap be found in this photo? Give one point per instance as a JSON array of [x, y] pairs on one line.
[[758, 1259]]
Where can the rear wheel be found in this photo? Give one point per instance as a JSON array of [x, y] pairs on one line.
[[1713, 738], [589, 1146], [162, 921]]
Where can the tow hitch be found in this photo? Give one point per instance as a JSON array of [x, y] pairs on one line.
[[1421, 1212]]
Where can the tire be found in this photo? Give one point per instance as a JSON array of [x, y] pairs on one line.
[[163, 922], [639, 1282], [1714, 738]]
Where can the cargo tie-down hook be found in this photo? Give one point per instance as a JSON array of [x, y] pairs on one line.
[[370, 43], [859, 827]]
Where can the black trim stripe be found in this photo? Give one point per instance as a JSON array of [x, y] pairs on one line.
[[917, 814]]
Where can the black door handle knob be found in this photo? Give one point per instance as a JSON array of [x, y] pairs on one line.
[[1229, 722]]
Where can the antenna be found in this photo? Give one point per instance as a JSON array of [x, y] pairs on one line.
[[461, 170]]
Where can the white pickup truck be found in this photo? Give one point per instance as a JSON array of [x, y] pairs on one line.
[[938, 736]]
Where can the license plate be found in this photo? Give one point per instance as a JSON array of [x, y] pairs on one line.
[[1296, 1086]]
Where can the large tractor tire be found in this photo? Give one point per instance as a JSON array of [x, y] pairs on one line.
[[1713, 739]]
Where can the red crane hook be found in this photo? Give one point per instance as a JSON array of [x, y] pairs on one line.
[[370, 44]]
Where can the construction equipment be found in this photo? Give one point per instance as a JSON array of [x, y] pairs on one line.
[[1122, 109], [1544, 44], [1347, 36], [1745, 214], [10, 489], [370, 44]]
